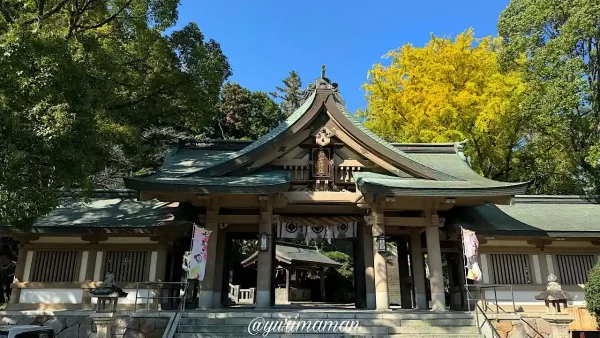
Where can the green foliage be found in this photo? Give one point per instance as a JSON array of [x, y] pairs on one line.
[[346, 270], [94, 86], [244, 114], [592, 291], [290, 94], [560, 42]]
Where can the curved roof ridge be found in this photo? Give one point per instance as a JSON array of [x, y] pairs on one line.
[[385, 143], [283, 126]]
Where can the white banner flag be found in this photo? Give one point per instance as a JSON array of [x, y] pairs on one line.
[[470, 250], [198, 253]]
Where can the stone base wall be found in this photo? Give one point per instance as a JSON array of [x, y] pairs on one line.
[[530, 326], [78, 324]]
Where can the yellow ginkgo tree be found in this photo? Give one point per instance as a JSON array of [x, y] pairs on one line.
[[450, 90]]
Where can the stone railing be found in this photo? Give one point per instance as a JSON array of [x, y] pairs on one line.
[[241, 296]]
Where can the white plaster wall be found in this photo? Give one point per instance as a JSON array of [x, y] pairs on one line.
[[528, 297], [65, 296], [130, 299]]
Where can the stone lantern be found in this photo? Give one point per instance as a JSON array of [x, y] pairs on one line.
[[554, 296]]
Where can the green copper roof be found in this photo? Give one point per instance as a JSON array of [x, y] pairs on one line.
[[117, 213], [181, 162], [537, 216], [262, 182], [384, 184], [204, 170], [384, 143], [297, 255], [282, 127], [454, 165]]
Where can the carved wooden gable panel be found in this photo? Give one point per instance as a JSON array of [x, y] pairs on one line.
[[324, 162]]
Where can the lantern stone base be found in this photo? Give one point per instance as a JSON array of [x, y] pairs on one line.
[[103, 324], [559, 325]]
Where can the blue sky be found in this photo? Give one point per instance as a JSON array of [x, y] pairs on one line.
[[265, 39]]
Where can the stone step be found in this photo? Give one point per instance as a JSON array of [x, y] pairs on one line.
[[332, 335], [332, 315], [412, 330], [363, 322]]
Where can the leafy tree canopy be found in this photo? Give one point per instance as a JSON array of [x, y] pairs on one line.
[[592, 292], [91, 84], [450, 90], [244, 114], [561, 44]]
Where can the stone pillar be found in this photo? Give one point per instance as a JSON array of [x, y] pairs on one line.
[[418, 271], [367, 243], [207, 286], [379, 263], [264, 274], [436, 275], [103, 323], [559, 324]]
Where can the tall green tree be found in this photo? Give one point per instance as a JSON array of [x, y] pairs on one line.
[[244, 114], [290, 94], [92, 84], [560, 43]]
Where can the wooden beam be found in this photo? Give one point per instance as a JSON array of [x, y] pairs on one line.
[[239, 219], [312, 209], [351, 163], [408, 221], [366, 153], [540, 243], [321, 197], [281, 149], [290, 162]]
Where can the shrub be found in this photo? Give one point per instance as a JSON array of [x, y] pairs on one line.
[[592, 291]]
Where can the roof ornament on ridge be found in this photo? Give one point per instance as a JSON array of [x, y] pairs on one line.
[[325, 84]]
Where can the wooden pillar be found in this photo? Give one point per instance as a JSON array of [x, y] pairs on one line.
[[358, 255], [161, 263], [434, 258], [219, 267], [322, 283], [418, 271], [287, 285], [264, 283], [369, 271], [379, 262], [15, 293], [205, 296], [404, 274]]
